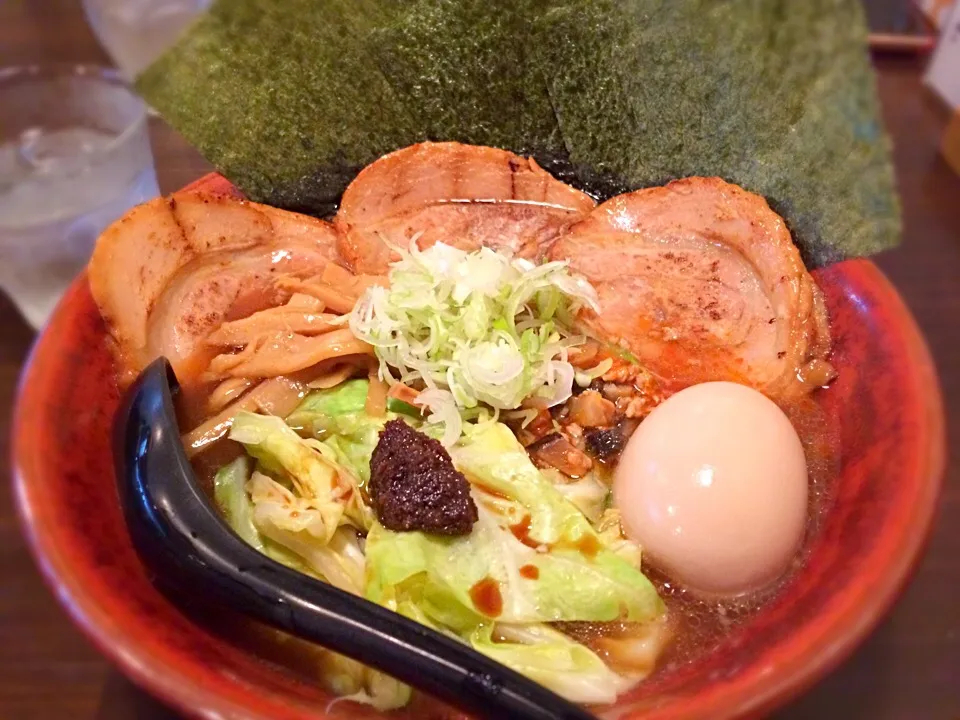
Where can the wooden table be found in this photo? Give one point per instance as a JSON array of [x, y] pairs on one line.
[[909, 668]]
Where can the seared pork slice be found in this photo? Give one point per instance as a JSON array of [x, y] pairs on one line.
[[701, 281], [171, 271], [462, 195]]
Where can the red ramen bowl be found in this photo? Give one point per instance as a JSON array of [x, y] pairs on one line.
[[885, 407]]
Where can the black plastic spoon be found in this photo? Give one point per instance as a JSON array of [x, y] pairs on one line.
[[180, 536]]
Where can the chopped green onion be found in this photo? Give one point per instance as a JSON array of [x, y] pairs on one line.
[[477, 327], [585, 377]]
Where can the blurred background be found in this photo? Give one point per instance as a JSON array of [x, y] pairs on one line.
[[910, 667]]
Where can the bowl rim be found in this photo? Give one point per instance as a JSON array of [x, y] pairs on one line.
[[849, 624]]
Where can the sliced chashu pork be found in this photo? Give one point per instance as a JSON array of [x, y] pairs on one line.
[[463, 195], [701, 281], [172, 270]]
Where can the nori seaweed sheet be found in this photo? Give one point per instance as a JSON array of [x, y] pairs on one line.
[[283, 97], [776, 96], [438, 53], [290, 99]]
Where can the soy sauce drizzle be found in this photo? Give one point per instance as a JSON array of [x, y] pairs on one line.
[[530, 572], [486, 597]]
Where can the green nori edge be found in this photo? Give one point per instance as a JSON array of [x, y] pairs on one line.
[[291, 99]]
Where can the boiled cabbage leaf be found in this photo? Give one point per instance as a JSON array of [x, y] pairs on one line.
[[346, 398], [337, 417], [552, 659], [229, 491], [310, 466], [547, 560]]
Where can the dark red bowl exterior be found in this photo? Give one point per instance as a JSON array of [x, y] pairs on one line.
[[886, 407]]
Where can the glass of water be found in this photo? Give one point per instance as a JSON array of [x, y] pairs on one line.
[[137, 32], [74, 156]]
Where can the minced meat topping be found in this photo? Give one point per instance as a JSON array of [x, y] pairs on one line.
[[414, 485]]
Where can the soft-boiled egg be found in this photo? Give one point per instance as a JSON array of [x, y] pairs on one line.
[[713, 485]]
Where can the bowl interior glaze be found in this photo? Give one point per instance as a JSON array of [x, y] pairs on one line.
[[885, 408]]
